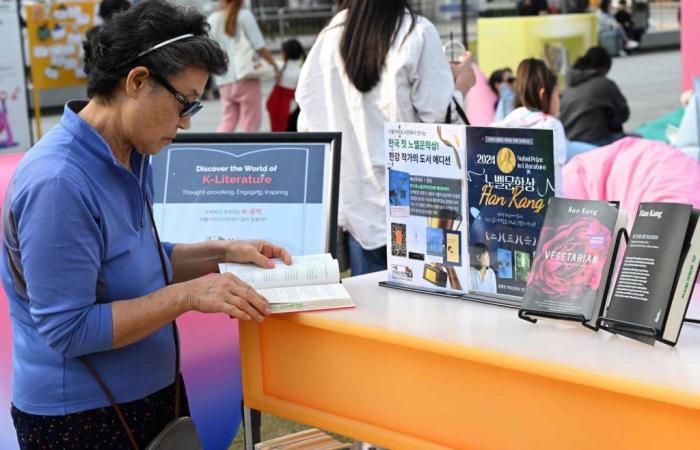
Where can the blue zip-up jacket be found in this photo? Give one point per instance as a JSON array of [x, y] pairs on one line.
[[76, 237]]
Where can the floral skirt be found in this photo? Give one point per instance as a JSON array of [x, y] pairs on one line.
[[100, 428]]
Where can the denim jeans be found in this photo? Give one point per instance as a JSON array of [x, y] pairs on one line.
[[365, 261]]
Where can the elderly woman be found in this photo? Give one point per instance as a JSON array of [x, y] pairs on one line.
[[82, 267]]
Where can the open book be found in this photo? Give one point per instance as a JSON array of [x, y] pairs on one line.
[[311, 282]]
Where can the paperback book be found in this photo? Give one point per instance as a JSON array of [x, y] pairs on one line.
[[657, 275], [311, 282], [573, 259]]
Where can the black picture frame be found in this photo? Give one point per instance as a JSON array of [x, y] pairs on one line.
[[332, 139]]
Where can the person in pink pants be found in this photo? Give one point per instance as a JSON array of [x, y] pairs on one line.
[[232, 27]]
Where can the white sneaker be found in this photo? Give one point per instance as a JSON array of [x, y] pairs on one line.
[[622, 53], [631, 45]]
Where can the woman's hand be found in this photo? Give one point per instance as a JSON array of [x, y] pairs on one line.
[[463, 74], [227, 294], [258, 252]]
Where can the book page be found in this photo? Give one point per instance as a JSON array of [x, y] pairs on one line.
[[315, 272], [301, 259], [300, 294], [307, 298]]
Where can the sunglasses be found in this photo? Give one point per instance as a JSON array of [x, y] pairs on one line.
[[510, 80], [188, 108]]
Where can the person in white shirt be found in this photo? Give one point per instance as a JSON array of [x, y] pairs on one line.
[[537, 106], [241, 96], [376, 61], [483, 278]]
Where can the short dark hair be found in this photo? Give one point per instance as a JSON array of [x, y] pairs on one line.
[[534, 75], [113, 50], [497, 77], [478, 249], [109, 7], [604, 5], [293, 49], [595, 58]]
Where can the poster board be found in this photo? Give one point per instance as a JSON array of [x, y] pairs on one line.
[[15, 131], [282, 187], [55, 33]]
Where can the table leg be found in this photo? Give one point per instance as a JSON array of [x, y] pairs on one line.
[[251, 427]]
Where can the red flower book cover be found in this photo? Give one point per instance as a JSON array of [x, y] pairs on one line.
[[572, 258]]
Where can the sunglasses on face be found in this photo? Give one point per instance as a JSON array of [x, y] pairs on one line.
[[510, 80], [188, 108]]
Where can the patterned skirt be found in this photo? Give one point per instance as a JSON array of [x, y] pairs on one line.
[[100, 428]]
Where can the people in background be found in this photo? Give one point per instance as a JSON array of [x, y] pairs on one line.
[[84, 272], [533, 7], [593, 109], [281, 98], [376, 61], [483, 278], [240, 93], [609, 28], [537, 106], [624, 18], [501, 82], [106, 10]]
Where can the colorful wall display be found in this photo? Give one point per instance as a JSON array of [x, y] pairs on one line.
[[15, 132]]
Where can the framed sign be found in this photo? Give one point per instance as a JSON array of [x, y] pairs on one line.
[[282, 187]]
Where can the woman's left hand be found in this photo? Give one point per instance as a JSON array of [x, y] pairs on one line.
[[258, 252]]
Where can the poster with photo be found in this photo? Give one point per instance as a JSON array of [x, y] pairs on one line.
[[15, 131], [426, 204], [510, 179]]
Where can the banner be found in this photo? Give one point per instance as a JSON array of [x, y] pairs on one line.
[[55, 34], [15, 132]]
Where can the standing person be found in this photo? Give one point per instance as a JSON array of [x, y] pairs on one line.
[[281, 97], [593, 108], [84, 273], [537, 106], [241, 97], [376, 61]]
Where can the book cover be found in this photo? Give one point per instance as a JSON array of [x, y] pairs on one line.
[[510, 178], [648, 272], [572, 260], [426, 246]]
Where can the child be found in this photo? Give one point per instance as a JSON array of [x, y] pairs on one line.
[[282, 95], [537, 106]]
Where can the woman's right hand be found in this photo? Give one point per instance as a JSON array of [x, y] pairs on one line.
[[463, 74], [227, 294]]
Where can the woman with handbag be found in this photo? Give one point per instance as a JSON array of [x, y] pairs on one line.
[[376, 61], [236, 30], [92, 294]]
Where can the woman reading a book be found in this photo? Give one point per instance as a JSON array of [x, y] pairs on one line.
[[84, 272], [483, 278]]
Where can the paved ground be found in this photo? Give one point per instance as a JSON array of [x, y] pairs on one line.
[[650, 81]]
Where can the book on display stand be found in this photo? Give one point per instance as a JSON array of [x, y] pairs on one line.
[[575, 266], [465, 206]]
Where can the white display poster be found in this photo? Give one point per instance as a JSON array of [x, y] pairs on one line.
[[426, 186], [15, 134], [278, 190]]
